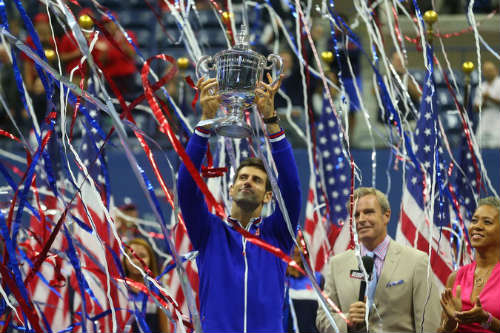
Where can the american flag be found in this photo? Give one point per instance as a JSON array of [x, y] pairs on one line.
[[99, 247], [468, 178], [173, 282], [425, 205], [467, 187], [325, 230], [48, 289]]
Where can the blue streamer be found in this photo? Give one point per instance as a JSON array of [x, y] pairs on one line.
[[386, 99], [42, 278], [13, 185], [24, 194], [44, 319], [12, 263], [46, 80], [82, 283], [82, 224], [15, 67]]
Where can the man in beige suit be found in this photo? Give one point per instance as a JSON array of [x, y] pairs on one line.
[[403, 298]]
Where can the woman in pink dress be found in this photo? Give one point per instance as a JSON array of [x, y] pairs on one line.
[[471, 301]]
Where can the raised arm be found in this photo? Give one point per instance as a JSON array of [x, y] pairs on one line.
[[191, 199], [288, 176], [289, 185]]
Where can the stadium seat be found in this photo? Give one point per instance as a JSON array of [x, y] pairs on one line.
[[206, 19], [115, 5], [212, 37], [444, 99], [418, 74], [144, 36], [144, 18]]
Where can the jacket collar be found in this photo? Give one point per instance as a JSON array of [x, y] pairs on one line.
[[253, 222]]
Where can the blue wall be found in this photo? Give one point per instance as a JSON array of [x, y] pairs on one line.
[[388, 178]]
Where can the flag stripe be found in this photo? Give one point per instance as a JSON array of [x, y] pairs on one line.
[[440, 268]]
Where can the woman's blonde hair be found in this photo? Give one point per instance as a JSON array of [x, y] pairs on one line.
[[153, 264]]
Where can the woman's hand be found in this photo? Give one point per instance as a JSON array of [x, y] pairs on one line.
[[474, 315], [450, 304]]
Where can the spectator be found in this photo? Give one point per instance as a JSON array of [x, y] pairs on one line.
[[241, 284], [125, 221], [154, 317], [488, 97], [349, 56], [470, 301], [292, 88], [117, 59], [31, 79], [399, 297], [70, 51], [406, 109], [320, 101], [10, 92]]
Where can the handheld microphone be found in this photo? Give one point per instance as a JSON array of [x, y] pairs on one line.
[[368, 263]]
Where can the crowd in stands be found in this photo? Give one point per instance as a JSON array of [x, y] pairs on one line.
[[120, 63]]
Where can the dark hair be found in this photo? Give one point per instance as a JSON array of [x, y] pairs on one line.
[[255, 163]]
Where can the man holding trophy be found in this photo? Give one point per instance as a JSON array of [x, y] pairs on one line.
[[241, 285]]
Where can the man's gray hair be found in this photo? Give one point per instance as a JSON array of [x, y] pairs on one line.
[[381, 197]]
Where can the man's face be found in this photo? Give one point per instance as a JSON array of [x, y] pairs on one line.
[[371, 223], [489, 71], [249, 188], [44, 34]]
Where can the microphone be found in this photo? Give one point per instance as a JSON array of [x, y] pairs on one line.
[[368, 263]]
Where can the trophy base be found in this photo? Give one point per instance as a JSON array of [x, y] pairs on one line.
[[238, 130]]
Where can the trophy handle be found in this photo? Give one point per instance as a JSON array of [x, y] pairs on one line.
[[206, 61], [278, 62]]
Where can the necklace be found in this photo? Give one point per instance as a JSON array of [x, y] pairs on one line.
[[479, 281]]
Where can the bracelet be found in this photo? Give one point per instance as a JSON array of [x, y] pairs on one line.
[[271, 120], [443, 327], [486, 324]]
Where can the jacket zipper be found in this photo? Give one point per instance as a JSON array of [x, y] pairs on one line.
[[244, 244]]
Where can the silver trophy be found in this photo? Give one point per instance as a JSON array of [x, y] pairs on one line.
[[238, 69]]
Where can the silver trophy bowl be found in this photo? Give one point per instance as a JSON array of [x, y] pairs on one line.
[[238, 71]]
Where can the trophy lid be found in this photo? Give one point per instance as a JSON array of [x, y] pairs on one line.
[[242, 44], [241, 47], [242, 39]]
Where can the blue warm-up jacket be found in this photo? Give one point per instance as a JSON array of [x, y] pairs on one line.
[[241, 285]]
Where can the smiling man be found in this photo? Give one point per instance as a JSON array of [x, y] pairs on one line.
[[241, 284], [399, 297]]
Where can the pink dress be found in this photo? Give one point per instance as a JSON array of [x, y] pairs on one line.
[[489, 296]]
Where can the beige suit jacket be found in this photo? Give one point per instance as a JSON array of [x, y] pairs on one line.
[[400, 297]]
